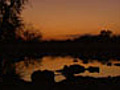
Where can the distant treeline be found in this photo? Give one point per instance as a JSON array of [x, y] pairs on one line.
[[105, 36]]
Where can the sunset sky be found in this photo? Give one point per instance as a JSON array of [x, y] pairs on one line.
[[57, 19]]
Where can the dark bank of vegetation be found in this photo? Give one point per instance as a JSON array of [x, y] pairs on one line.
[[104, 46], [18, 42], [44, 80]]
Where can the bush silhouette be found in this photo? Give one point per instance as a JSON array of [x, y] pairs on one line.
[[10, 20]]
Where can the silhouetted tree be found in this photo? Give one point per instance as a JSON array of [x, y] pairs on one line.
[[10, 20], [29, 34], [32, 37], [106, 33]]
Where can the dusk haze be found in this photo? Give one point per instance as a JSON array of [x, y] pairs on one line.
[[58, 18], [59, 44]]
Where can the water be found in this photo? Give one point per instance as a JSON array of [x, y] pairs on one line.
[[26, 67]]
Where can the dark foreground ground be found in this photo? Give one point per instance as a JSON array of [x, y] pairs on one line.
[[75, 83], [45, 81]]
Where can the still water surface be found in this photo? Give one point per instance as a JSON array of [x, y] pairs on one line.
[[26, 67]]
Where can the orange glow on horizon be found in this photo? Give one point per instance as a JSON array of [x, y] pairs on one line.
[[57, 18]]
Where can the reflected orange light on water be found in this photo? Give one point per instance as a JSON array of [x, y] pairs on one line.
[[25, 68]]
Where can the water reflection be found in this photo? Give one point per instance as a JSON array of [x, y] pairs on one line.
[[28, 66]]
